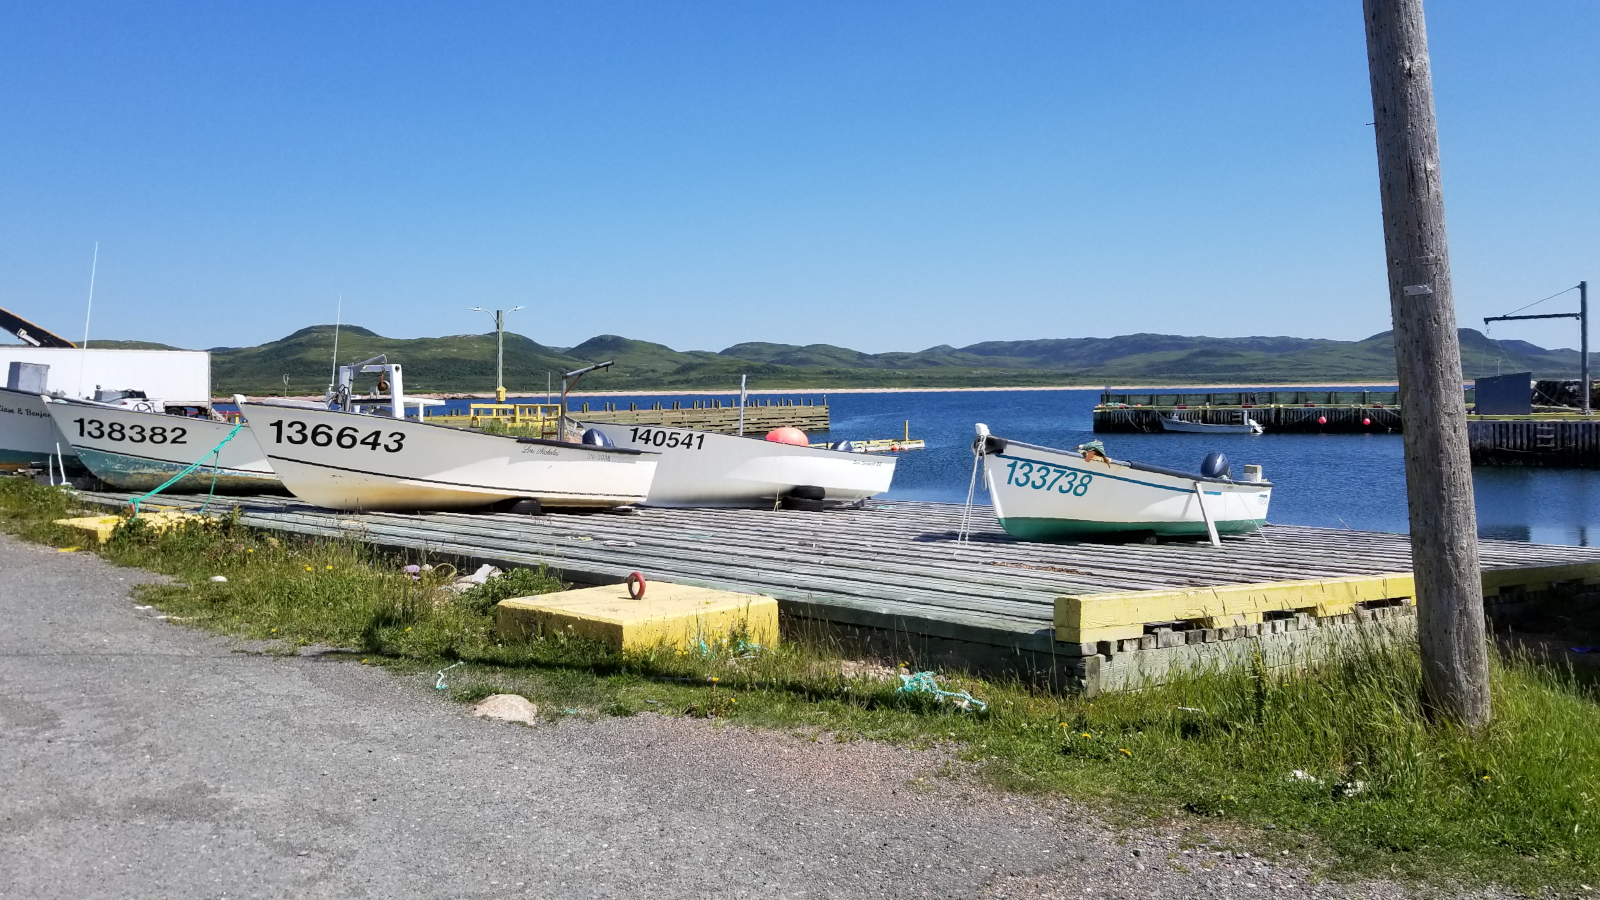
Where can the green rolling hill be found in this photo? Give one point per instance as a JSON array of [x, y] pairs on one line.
[[465, 363]]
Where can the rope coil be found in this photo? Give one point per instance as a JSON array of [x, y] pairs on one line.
[[925, 683]]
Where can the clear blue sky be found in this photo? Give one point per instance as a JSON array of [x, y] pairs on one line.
[[878, 175]]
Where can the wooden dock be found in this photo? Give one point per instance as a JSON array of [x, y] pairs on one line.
[[1536, 440], [890, 576], [704, 415], [1280, 412]]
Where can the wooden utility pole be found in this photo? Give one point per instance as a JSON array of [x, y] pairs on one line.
[[1444, 525]]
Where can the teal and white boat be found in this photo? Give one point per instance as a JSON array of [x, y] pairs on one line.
[[1044, 494], [138, 449]]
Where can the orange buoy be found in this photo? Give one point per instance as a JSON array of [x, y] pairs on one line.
[[789, 434]]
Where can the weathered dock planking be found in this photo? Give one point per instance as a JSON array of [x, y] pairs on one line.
[[892, 574]]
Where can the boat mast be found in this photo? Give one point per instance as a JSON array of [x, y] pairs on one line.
[[83, 358]]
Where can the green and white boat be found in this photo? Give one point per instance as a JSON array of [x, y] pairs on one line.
[[1044, 494]]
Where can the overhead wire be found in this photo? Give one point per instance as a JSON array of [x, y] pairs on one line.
[[1488, 327]]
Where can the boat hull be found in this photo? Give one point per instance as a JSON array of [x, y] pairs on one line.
[[700, 468], [134, 450], [1184, 427], [28, 435], [1041, 494], [341, 460]]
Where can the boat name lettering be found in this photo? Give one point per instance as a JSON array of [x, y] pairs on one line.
[[1045, 477], [346, 438], [542, 451], [657, 437], [96, 430]]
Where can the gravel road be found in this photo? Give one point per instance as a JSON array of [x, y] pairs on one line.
[[144, 759]]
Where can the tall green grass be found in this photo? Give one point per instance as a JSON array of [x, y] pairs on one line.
[[1336, 764]]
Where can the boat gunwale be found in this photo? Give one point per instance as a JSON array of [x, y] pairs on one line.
[[1139, 467], [853, 455], [625, 451]]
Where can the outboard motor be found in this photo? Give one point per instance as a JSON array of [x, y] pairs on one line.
[[594, 437], [1216, 465]]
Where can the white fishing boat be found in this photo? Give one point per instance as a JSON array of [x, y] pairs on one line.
[[364, 454], [1044, 494], [140, 449], [1172, 423], [28, 437], [47, 364], [701, 468]]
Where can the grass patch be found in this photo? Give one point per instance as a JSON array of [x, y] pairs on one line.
[[1335, 765]]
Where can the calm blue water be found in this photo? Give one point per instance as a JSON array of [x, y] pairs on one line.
[[1355, 481]]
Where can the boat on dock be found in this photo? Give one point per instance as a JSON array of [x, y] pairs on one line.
[[1045, 494], [364, 453], [1173, 423], [703, 468], [140, 447], [48, 364]]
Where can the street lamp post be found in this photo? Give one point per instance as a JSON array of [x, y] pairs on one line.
[[500, 350]]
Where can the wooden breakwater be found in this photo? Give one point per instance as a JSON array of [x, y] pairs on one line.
[[889, 579], [806, 414], [1282, 412], [1538, 440]]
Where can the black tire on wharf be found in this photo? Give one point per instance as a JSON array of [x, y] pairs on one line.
[[803, 503], [808, 492], [526, 507]]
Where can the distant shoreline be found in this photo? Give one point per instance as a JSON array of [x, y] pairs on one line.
[[448, 395], [958, 390]]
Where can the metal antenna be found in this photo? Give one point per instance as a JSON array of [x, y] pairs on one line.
[[338, 318], [83, 358]]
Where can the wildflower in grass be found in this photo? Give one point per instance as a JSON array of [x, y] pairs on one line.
[[408, 629], [308, 568], [1125, 752], [1086, 734], [330, 568]]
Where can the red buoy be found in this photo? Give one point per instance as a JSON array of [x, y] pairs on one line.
[[1322, 420], [789, 434], [1366, 421]]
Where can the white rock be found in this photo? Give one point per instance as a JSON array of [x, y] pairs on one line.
[[507, 708], [219, 578]]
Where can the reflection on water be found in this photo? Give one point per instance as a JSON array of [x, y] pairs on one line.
[[1336, 481]]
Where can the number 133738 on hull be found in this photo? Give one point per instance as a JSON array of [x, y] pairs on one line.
[[1043, 494]]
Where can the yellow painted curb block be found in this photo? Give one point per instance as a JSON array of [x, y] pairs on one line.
[[669, 615], [102, 526], [1117, 616]]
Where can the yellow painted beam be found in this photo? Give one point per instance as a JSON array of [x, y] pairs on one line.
[[669, 615], [1117, 616], [102, 526], [1099, 617]]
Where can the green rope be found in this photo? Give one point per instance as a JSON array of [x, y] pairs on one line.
[[925, 683], [216, 456]]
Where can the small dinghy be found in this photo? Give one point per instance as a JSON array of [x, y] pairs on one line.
[[702, 468], [1043, 494], [362, 453], [1248, 426], [139, 447]]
